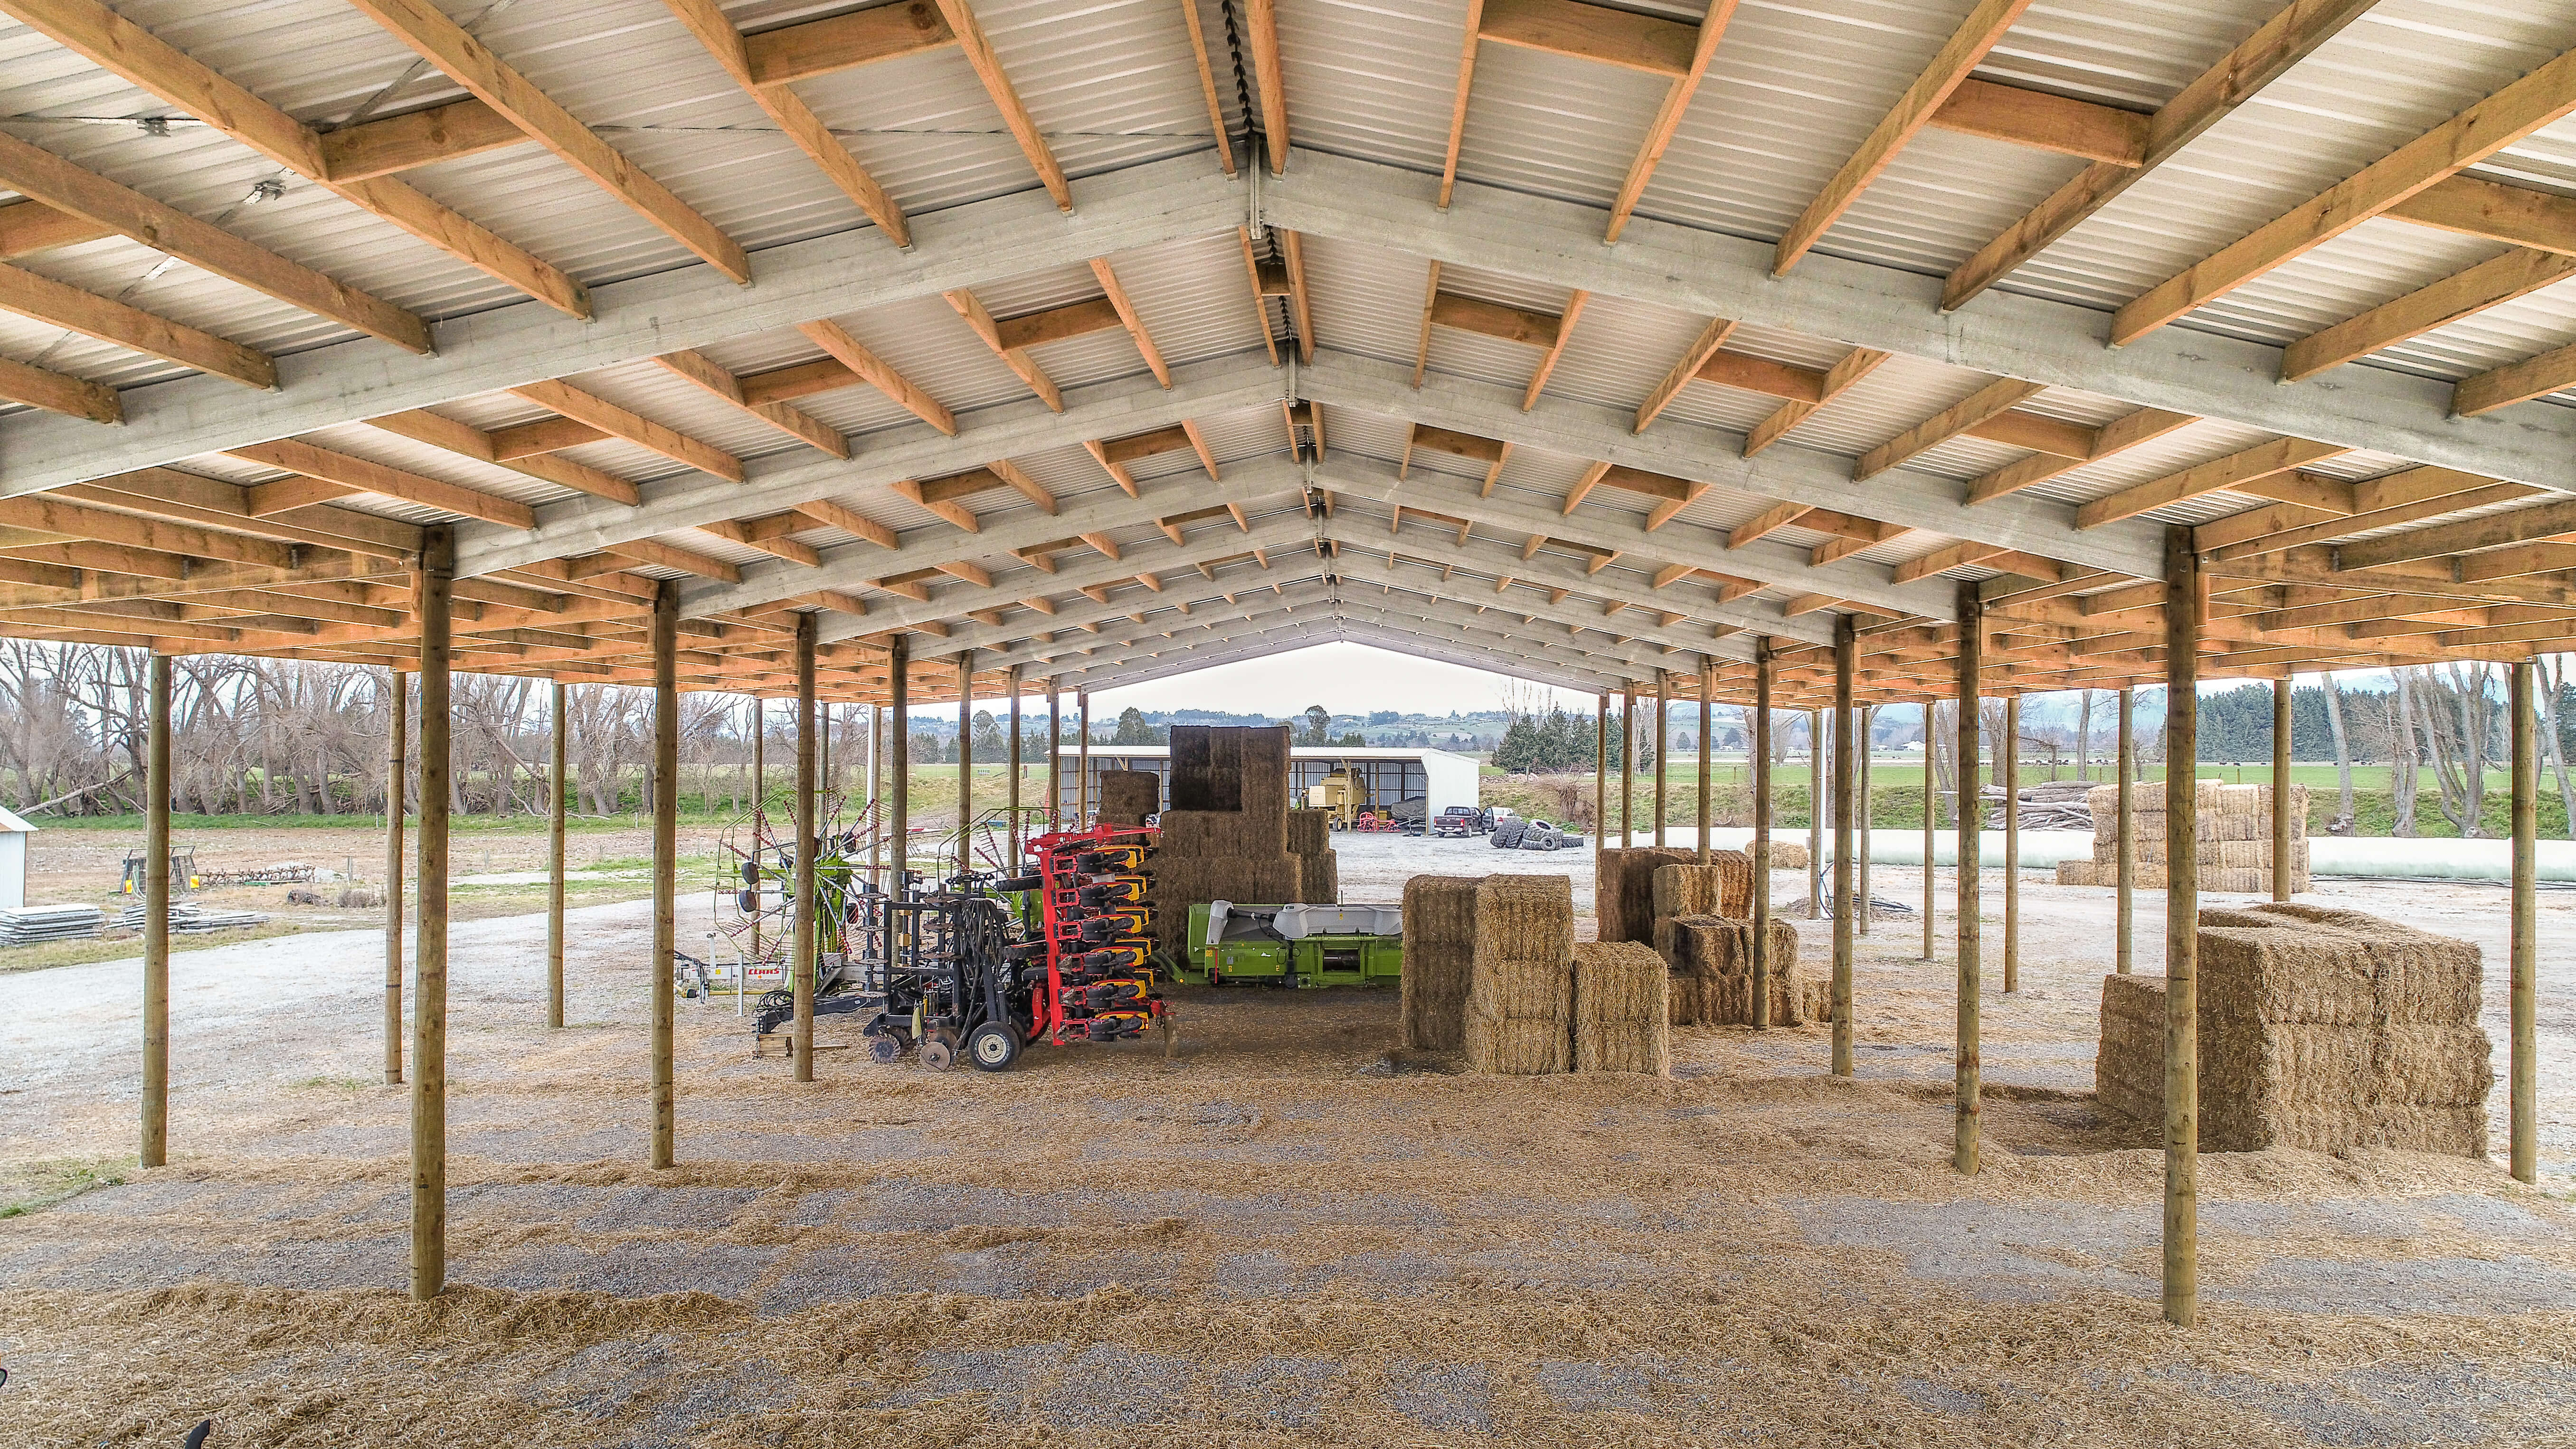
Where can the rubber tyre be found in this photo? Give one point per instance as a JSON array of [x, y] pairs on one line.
[[1507, 835], [993, 1046]]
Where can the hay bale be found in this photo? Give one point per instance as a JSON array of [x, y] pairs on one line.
[[1262, 756], [1310, 832], [1439, 958], [1788, 854], [1319, 878], [1182, 880], [2318, 1028], [1622, 1004], [1128, 796], [1623, 891], [2079, 873], [1723, 887], [1715, 953], [1223, 832], [1520, 993]]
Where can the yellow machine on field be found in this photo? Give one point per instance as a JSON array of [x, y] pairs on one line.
[[1342, 793]]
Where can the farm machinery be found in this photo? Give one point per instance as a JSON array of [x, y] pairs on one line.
[[980, 965], [1295, 946]]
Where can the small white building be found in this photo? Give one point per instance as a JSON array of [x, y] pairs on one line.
[[1439, 778], [14, 838]]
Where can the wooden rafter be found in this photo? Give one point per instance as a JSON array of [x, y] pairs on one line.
[[1696, 356], [873, 370], [467, 441], [1966, 47], [2544, 96], [2518, 273], [717, 382], [443, 43], [597, 412], [2061, 124], [326, 473], [1985, 405], [1261, 22], [1130, 319], [2293, 32], [126, 49], [1024, 128], [1015, 357], [2237, 472]]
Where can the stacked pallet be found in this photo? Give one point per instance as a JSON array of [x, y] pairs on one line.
[[1520, 992], [27, 926], [2319, 1029], [2233, 830], [1225, 837], [1319, 869]]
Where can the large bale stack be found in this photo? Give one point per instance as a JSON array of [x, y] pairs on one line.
[[2233, 831], [1622, 1000], [1439, 961], [2320, 1029], [1225, 837], [1712, 973], [1128, 796], [1520, 996], [1723, 887], [1623, 891]]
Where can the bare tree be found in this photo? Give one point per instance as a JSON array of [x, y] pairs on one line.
[[2551, 670], [2405, 758], [2342, 824]]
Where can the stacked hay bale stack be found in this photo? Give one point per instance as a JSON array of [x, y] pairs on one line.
[[1225, 836], [2233, 831], [2320, 1029], [1439, 960], [1128, 796], [1711, 959], [1319, 870], [1621, 1009], [1520, 995], [1623, 891]]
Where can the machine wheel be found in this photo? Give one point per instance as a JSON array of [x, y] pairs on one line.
[[884, 1049], [938, 1053], [993, 1046]]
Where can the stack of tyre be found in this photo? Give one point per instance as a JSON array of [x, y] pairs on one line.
[[1518, 832]]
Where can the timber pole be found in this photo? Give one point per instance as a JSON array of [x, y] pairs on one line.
[[1817, 805], [759, 812], [801, 958], [435, 602], [2126, 850], [397, 765], [1627, 767], [1931, 822], [1761, 1003], [666, 848], [965, 761], [1600, 786], [1846, 670], [2184, 601], [876, 795], [1972, 663], [556, 750], [155, 1148], [1011, 818], [899, 761], [2012, 843], [1055, 756], [2282, 853], [1707, 681], [1082, 762], [1867, 717], [2522, 1070], [1663, 737]]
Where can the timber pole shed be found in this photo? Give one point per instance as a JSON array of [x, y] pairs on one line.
[[1771, 462]]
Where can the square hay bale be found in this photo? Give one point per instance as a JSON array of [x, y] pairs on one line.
[[1182, 880], [1223, 832], [2129, 1065], [1128, 796], [1310, 832], [1622, 1006], [1319, 878], [1723, 887], [1517, 1048], [1262, 755], [1439, 960], [2327, 1029], [2078, 873], [1716, 953], [1524, 948], [1207, 768], [1623, 891]]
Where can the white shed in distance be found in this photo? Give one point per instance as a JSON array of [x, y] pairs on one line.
[[14, 834]]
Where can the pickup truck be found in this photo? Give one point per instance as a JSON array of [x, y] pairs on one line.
[[1459, 822]]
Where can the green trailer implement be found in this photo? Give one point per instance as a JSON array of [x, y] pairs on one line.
[[1294, 946]]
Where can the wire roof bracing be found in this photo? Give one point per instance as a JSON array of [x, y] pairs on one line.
[[1113, 341]]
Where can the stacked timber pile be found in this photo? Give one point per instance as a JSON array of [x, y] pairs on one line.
[[1225, 837], [1520, 995], [1439, 961], [1319, 870], [31, 924], [1621, 1009], [189, 916], [2234, 831], [1711, 961], [1128, 796], [2319, 1029]]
